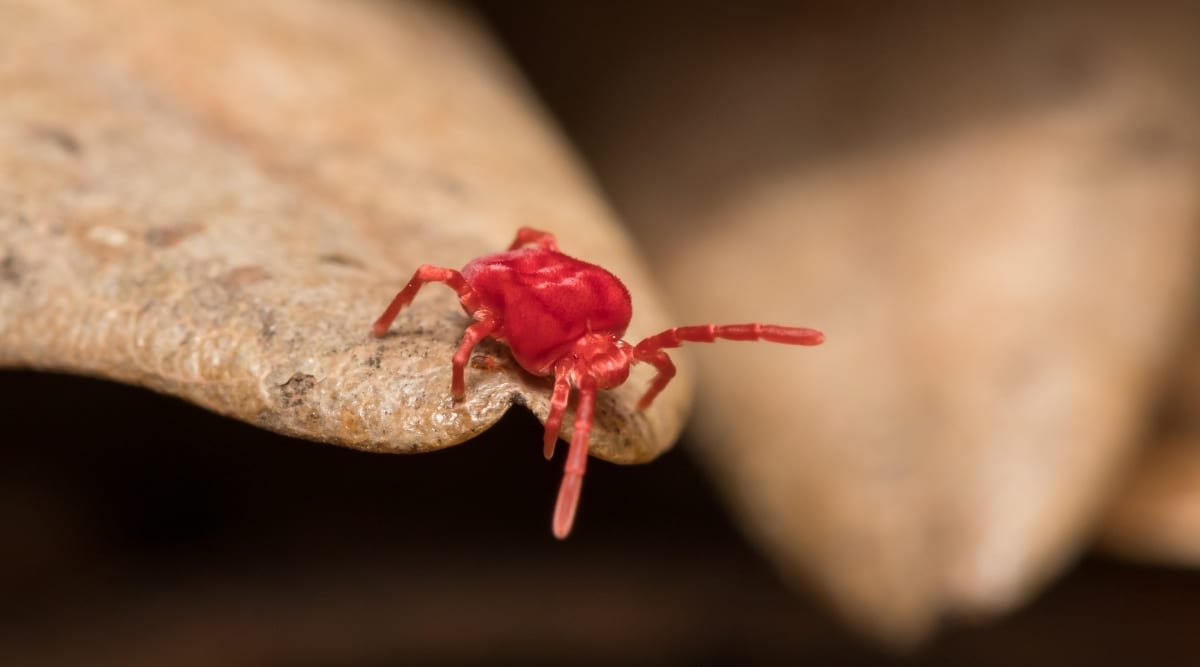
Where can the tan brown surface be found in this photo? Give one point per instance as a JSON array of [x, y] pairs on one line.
[[1156, 515], [993, 215], [216, 199]]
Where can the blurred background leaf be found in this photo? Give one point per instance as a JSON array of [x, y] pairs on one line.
[[1156, 515], [991, 211]]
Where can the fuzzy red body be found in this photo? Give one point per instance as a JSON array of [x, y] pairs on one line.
[[546, 301], [564, 317]]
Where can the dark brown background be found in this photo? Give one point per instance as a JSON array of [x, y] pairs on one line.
[[142, 530]]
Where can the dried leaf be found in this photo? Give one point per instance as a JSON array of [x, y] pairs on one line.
[[1001, 271], [1156, 516], [216, 199]]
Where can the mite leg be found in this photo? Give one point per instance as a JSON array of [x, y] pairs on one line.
[[425, 274], [707, 333], [666, 371], [527, 235], [572, 482], [558, 405], [475, 333], [650, 349]]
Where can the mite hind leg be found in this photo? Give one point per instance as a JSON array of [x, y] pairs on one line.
[[528, 235]]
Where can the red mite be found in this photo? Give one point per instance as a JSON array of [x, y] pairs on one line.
[[565, 318]]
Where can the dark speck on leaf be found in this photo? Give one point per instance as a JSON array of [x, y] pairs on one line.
[[167, 236], [10, 269], [376, 358], [61, 138], [296, 388], [338, 259]]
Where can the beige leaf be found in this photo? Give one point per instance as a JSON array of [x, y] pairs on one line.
[[216, 199], [992, 214], [1156, 516]]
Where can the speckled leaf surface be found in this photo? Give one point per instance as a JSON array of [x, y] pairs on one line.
[[216, 199]]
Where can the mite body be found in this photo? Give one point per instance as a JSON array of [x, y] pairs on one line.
[[565, 318]]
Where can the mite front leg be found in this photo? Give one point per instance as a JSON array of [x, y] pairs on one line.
[[558, 405], [426, 273], [474, 333], [650, 349], [707, 333], [527, 235], [572, 482], [666, 371]]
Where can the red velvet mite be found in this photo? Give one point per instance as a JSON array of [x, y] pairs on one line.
[[564, 317]]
